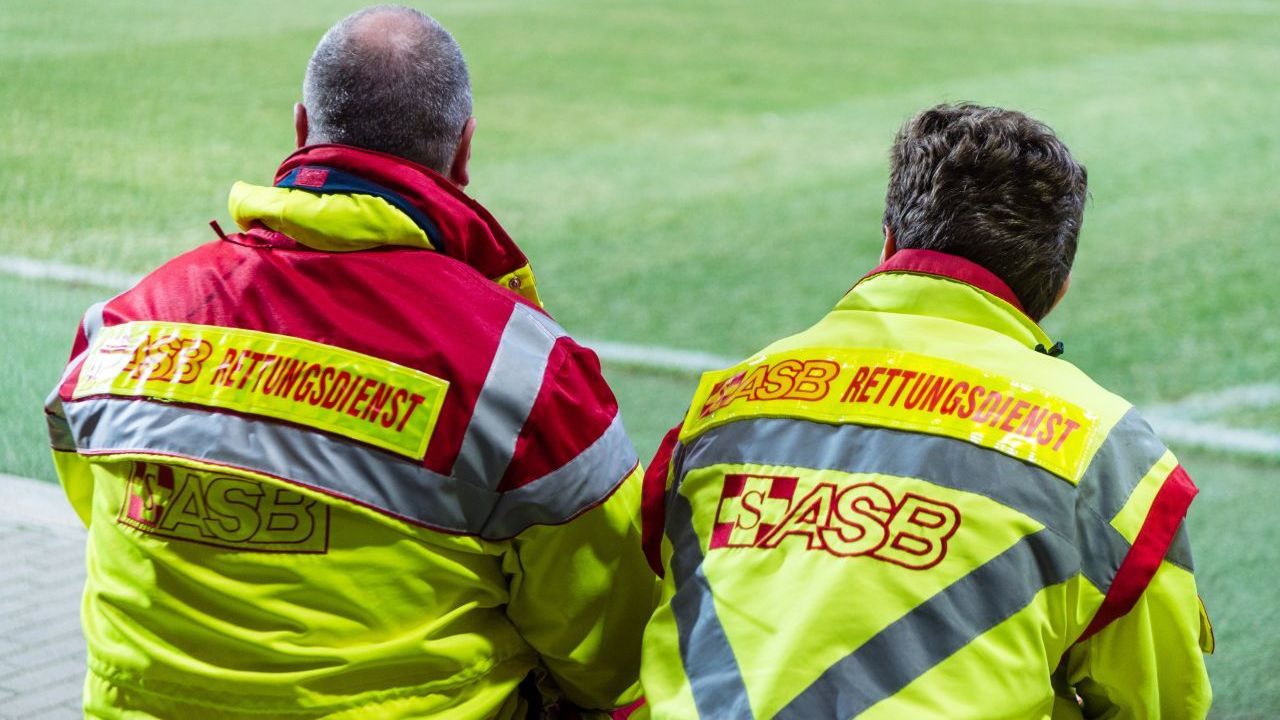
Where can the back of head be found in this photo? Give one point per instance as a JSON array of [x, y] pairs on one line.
[[390, 79], [992, 186]]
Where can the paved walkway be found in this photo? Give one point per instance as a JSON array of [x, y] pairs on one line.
[[41, 575]]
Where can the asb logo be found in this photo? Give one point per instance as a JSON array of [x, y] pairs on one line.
[[865, 519], [232, 512]]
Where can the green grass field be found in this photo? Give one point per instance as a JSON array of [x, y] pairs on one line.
[[710, 176]]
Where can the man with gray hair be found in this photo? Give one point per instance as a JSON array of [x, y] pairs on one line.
[[341, 463], [391, 80]]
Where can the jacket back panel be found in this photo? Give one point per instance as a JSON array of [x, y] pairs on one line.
[[849, 522], [215, 582]]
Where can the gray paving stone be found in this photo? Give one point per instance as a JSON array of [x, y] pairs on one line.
[[59, 712], [52, 607], [41, 577], [53, 651], [45, 702], [56, 628]]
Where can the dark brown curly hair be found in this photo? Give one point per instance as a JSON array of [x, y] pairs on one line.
[[993, 186]]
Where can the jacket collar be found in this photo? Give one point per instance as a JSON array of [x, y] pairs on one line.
[[338, 198], [926, 282]]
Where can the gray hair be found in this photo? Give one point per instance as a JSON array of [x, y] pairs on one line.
[[391, 79]]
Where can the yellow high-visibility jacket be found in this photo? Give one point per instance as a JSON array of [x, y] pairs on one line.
[[333, 466], [906, 511]]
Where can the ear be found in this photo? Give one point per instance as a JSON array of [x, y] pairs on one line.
[[458, 170], [300, 124], [1062, 292], [890, 245]]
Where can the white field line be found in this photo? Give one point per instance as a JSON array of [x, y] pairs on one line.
[[61, 272], [1214, 436], [1180, 422], [1213, 7], [657, 357], [1215, 403]]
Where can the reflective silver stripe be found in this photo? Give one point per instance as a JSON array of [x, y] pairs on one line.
[[1126, 456], [60, 436], [367, 475], [507, 397], [1101, 547], [937, 628], [709, 663], [569, 490], [1180, 550], [943, 461]]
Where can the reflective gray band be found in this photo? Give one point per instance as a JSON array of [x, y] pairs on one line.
[[1101, 549], [709, 663], [509, 391], [60, 436], [956, 464], [1126, 456], [937, 628], [368, 476], [567, 491], [1180, 550]]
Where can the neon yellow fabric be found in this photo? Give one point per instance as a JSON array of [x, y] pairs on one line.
[[341, 222], [805, 566], [336, 222], [1128, 522], [1140, 666], [473, 616], [521, 280], [76, 477], [550, 615]]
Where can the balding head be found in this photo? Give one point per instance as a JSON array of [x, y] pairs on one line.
[[390, 79]]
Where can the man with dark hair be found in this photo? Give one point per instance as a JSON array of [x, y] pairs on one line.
[[341, 463], [993, 187], [915, 508]]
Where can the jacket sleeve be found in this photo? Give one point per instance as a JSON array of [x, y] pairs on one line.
[[581, 590], [657, 482], [1148, 663], [1141, 655], [581, 594], [73, 470]]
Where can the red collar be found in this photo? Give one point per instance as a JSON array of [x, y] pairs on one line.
[[469, 232], [952, 267]]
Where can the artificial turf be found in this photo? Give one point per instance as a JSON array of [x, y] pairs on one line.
[[710, 176]]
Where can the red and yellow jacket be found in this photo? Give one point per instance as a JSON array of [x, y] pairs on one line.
[[906, 511], [342, 464]]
